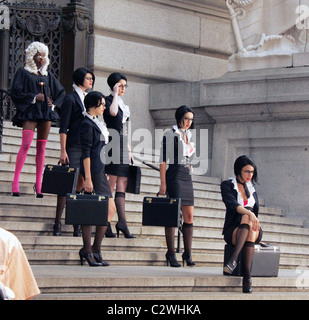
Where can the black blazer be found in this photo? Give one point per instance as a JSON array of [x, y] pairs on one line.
[[229, 197], [71, 118], [92, 143]]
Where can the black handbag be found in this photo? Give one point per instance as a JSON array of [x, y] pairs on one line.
[[134, 180], [59, 179], [165, 212], [86, 209]]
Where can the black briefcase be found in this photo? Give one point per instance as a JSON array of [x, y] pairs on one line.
[[134, 180], [164, 212], [59, 179], [265, 261], [86, 209]]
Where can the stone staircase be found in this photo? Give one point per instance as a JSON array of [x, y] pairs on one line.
[[138, 269]]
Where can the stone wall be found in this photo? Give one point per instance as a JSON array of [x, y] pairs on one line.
[[155, 42]]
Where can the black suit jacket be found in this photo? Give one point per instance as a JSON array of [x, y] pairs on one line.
[[71, 118], [229, 197], [92, 142]]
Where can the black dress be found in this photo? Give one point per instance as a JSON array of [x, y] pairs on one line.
[[119, 153], [24, 89], [178, 175]]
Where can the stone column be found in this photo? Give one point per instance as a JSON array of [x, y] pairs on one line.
[[75, 26]]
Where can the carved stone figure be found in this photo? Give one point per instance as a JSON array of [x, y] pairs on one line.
[[264, 28]]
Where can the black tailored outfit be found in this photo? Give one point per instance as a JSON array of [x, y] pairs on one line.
[[71, 117], [232, 217], [24, 89], [92, 147], [120, 167], [178, 175]]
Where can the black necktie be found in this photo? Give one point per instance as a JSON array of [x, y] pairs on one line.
[[245, 188]]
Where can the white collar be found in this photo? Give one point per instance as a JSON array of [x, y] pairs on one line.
[[249, 185], [81, 94], [188, 151], [99, 124]]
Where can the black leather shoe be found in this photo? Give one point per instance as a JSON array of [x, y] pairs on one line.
[[229, 267], [171, 260], [109, 233], [57, 230], [99, 258], [89, 258], [246, 285], [187, 257], [125, 231]]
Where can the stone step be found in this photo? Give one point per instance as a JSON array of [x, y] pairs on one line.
[[198, 298], [89, 282]]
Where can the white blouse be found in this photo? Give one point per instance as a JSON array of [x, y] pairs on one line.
[[251, 201]]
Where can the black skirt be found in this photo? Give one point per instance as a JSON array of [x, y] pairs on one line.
[[179, 184], [119, 167], [100, 184]]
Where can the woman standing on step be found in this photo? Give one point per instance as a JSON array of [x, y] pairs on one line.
[[117, 120], [176, 181], [93, 137], [241, 228], [36, 93], [71, 117]]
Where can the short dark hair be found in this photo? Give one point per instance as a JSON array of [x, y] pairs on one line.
[[93, 99], [115, 78], [243, 161], [79, 76], [180, 112]]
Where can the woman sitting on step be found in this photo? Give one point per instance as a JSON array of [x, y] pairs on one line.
[[93, 138], [176, 181], [241, 228], [36, 93]]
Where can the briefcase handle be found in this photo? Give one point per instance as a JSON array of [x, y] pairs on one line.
[[166, 195]]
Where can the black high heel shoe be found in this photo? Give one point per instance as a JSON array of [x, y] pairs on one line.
[[89, 258], [125, 232], [38, 195], [246, 285], [171, 259], [99, 258], [109, 233], [187, 257]]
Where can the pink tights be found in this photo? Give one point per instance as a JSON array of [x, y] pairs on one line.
[[27, 137]]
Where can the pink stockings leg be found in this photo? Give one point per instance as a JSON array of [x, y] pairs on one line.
[[27, 136]]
